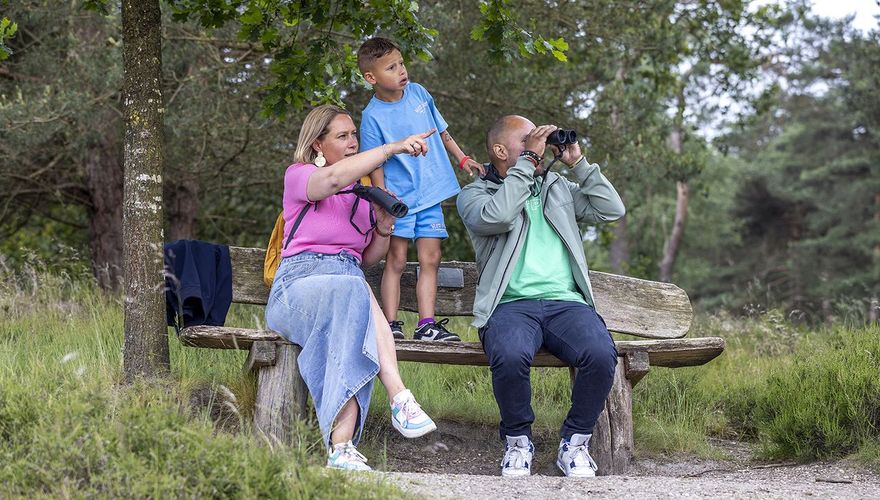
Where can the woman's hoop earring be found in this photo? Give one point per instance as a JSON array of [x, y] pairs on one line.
[[320, 161]]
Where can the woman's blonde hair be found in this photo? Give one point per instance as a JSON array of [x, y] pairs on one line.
[[314, 127]]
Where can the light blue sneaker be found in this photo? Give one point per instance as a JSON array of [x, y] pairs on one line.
[[345, 456], [408, 417], [574, 458]]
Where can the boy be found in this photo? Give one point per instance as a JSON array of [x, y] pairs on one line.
[[399, 109]]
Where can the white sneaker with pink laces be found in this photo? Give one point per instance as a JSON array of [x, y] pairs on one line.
[[408, 417]]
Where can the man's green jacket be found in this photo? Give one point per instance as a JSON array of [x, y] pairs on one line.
[[494, 215]]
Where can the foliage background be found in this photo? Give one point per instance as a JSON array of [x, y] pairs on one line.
[[775, 109]]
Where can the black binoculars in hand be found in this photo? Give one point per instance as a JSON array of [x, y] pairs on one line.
[[562, 136], [391, 204]]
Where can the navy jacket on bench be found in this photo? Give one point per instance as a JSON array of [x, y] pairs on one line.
[[198, 283]]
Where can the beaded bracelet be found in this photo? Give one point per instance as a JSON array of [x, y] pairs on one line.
[[532, 160], [531, 154]]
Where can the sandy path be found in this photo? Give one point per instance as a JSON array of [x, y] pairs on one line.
[[819, 480]]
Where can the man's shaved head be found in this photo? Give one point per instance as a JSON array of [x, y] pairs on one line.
[[509, 132], [499, 130]]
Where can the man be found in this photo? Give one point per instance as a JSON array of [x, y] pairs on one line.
[[534, 289]]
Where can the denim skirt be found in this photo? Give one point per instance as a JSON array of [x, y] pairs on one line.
[[321, 302]]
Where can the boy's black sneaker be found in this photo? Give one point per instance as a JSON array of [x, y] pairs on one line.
[[436, 331], [397, 329]]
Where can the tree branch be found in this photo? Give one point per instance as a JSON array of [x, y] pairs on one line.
[[5, 73]]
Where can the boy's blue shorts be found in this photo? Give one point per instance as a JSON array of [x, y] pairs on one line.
[[427, 223]]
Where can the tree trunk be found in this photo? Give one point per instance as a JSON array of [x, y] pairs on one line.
[[874, 304], [672, 247], [183, 208], [104, 180], [873, 310], [877, 219], [145, 351], [670, 253], [104, 172], [619, 251]]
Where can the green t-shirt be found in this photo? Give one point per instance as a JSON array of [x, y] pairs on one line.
[[543, 270]]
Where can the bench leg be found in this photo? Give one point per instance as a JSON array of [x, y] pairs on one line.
[[612, 441], [281, 395]]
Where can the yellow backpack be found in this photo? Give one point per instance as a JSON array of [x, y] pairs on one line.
[[273, 251], [276, 243]]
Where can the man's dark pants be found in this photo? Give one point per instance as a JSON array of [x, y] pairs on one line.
[[574, 333]]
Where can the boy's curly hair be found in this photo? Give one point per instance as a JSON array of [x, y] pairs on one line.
[[373, 49]]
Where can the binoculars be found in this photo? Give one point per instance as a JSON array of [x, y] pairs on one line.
[[562, 136], [391, 204]]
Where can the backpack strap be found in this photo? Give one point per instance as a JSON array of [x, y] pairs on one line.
[[299, 219], [302, 214]]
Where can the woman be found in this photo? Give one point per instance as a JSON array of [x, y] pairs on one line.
[[320, 299]]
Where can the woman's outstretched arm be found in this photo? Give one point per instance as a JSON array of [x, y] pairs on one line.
[[329, 180]]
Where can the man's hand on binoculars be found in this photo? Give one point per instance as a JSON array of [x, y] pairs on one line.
[[536, 140], [571, 154]]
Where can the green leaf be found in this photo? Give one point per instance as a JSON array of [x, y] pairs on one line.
[[540, 47], [559, 43], [253, 15], [100, 6], [7, 31], [269, 36]]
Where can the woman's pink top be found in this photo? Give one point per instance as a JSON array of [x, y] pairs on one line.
[[326, 227]]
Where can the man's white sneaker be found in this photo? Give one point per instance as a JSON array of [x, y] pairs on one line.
[[408, 417], [345, 456], [517, 461], [574, 457]]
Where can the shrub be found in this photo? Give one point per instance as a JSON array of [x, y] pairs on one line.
[[827, 402]]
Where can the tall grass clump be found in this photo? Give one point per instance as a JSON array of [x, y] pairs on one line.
[[69, 427], [826, 403], [676, 409], [799, 393]]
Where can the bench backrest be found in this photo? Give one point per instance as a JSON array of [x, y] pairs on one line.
[[638, 307]]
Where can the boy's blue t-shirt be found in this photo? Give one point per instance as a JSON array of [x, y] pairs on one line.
[[423, 181]]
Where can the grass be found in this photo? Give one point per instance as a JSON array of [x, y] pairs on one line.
[[801, 394], [828, 402], [69, 428], [676, 409]]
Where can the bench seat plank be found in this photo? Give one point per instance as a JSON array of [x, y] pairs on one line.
[[638, 307], [666, 352]]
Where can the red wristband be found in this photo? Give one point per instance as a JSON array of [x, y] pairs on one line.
[[462, 162], [534, 161]]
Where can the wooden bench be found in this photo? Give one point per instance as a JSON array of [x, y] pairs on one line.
[[660, 312]]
